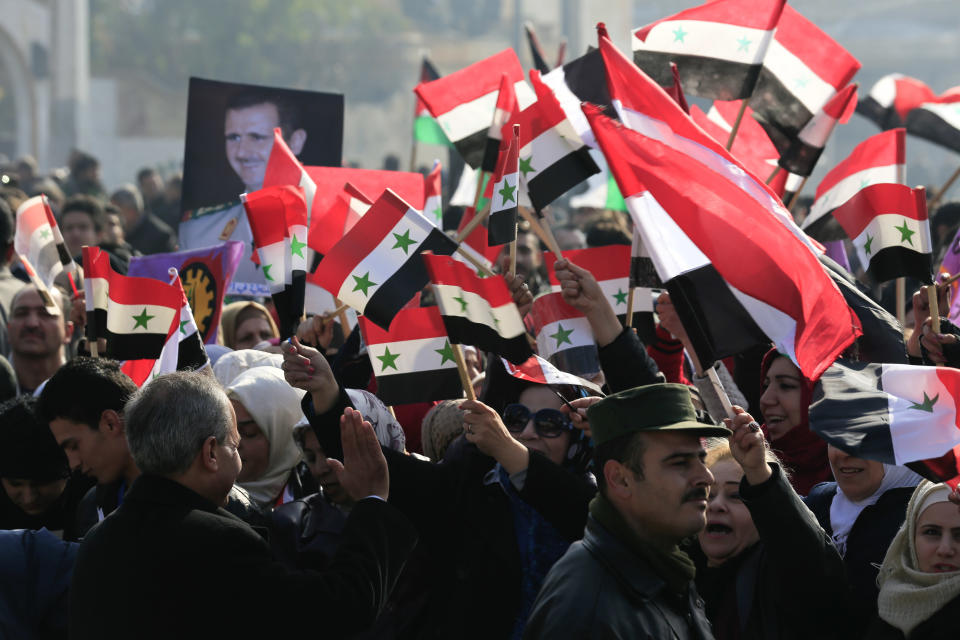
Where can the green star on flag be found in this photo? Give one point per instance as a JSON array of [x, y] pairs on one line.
[[363, 282], [266, 272], [526, 167], [403, 241], [679, 34], [620, 296], [802, 82], [142, 319], [507, 192], [388, 359], [463, 303], [438, 214], [905, 233], [184, 323], [866, 245], [744, 44], [927, 404], [446, 353], [296, 247], [562, 335], [45, 234]]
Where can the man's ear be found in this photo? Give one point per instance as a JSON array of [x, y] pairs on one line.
[[297, 139], [616, 476], [208, 454], [67, 331], [111, 423]]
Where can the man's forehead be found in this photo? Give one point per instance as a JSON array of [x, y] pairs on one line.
[[29, 298], [254, 115], [675, 442]]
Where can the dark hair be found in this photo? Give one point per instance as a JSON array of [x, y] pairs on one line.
[[627, 449], [82, 161], [7, 224], [85, 204], [143, 173], [27, 448], [606, 232], [82, 389], [288, 114]]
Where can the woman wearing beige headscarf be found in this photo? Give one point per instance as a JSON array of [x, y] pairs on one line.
[[267, 410], [920, 577], [246, 324]]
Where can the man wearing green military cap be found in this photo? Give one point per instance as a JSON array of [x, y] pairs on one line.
[[628, 577]]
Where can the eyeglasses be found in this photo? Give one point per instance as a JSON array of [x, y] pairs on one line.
[[549, 423]]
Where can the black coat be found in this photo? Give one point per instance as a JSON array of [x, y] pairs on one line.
[[170, 564], [626, 363], [943, 625], [601, 590], [466, 526], [791, 584], [867, 544]]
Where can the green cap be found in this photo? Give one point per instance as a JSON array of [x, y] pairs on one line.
[[652, 407]]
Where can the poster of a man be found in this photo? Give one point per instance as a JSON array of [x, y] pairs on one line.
[[228, 141]]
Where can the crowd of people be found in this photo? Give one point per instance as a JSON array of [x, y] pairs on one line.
[[273, 492]]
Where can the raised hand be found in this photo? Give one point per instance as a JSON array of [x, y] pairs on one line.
[[582, 292], [363, 472], [483, 427], [306, 368], [520, 292], [748, 446], [579, 417]]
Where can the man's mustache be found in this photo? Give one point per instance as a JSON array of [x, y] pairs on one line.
[[700, 493]]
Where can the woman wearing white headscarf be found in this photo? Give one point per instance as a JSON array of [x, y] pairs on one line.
[[862, 511], [267, 410], [920, 576]]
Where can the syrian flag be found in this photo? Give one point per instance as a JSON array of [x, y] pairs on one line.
[[564, 336], [277, 218], [803, 69], [425, 128], [803, 152], [602, 191], [283, 168], [892, 413], [358, 204], [414, 361], [433, 195], [464, 102], [719, 46], [889, 228], [502, 223], [506, 109], [376, 268], [476, 244], [716, 220], [552, 157], [938, 122], [751, 146], [880, 159], [136, 315], [536, 53], [477, 311], [38, 238], [580, 80], [892, 98], [538, 370], [319, 301]]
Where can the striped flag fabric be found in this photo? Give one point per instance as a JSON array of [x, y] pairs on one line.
[[552, 157], [802, 70], [892, 413], [506, 109], [464, 102], [413, 361], [563, 334], [283, 168], [802, 154], [358, 204], [38, 238], [581, 80], [536, 53], [477, 311], [433, 195], [939, 121], [476, 244], [425, 128], [889, 228], [718, 47], [377, 266], [278, 220], [536, 369], [892, 97], [136, 315], [502, 223], [880, 159]]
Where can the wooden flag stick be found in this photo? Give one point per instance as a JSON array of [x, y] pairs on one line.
[[934, 309], [796, 194], [901, 302], [720, 391], [949, 281], [341, 313], [943, 190], [413, 149], [542, 232], [629, 321], [773, 175], [736, 123], [513, 258], [477, 220], [476, 196], [482, 268], [94, 348], [462, 370]]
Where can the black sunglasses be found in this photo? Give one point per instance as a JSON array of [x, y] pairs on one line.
[[549, 423]]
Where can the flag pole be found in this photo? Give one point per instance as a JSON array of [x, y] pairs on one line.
[[629, 321], [773, 175], [477, 220], [901, 301], [341, 312], [720, 391], [462, 370], [542, 231], [736, 123], [796, 194], [476, 196], [513, 257], [482, 268], [943, 190], [934, 308]]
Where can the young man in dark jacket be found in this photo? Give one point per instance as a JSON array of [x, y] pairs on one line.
[[628, 577]]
